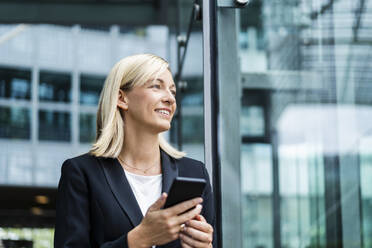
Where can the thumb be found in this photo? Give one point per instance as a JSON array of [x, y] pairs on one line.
[[159, 203]]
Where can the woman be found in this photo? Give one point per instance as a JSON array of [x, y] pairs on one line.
[[112, 196]]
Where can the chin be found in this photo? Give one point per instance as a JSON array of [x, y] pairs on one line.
[[162, 127]]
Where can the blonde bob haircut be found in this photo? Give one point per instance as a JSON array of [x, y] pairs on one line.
[[126, 74]]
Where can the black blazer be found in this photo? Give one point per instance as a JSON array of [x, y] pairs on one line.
[[97, 208]]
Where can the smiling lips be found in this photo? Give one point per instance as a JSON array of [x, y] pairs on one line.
[[164, 112]]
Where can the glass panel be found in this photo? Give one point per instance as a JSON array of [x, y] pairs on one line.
[[15, 123], [366, 188], [192, 129], [87, 124], [256, 172], [302, 196], [55, 87], [90, 89], [192, 115], [15, 83], [192, 111], [54, 126], [252, 121], [253, 114]]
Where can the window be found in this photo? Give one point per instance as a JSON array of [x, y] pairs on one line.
[[14, 123], [90, 89], [55, 87], [15, 83], [87, 124], [54, 126]]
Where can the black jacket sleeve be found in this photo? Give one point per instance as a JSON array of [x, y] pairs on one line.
[[72, 228]]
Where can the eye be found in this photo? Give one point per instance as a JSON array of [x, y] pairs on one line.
[[156, 86], [173, 92]]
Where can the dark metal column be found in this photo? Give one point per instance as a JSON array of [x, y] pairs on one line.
[[331, 158], [211, 102], [276, 192]]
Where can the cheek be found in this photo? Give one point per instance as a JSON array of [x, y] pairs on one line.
[[174, 109]]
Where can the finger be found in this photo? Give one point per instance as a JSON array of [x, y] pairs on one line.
[[192, 242], [159, 202], [184, 245], [202, 226], [189, 215], [200, 218], [197, 234], [184, 206]]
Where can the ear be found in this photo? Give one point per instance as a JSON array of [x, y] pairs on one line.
[[122, 100]]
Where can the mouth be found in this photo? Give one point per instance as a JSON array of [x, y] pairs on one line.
[[164, 112]]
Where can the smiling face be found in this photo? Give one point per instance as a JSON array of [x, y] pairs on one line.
[[150, 106]]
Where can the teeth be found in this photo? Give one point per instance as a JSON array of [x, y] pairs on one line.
[[165, 112]]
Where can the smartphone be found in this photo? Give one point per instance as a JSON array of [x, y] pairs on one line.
[[183, 189]]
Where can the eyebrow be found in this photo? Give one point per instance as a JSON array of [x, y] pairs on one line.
[[162, 81]]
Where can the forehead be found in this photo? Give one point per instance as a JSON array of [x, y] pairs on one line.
[[165, 78]]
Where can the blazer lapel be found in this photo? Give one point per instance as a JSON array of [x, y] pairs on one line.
[[169, 170], [121, 189]]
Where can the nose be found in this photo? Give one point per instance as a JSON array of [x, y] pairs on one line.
[[169, 98]]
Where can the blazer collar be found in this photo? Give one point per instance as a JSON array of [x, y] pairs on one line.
[[122, 191]]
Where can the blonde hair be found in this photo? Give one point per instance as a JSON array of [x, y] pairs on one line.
[[129, 72]]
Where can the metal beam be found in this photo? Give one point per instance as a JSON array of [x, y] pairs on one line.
[[142, 13], [282, 80]]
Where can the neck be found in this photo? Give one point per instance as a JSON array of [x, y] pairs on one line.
[[141, 149]]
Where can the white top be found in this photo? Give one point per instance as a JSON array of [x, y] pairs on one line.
[[146, 189]]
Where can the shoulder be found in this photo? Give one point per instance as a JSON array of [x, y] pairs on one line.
[[80, 163], [189, 161], [191, 167]]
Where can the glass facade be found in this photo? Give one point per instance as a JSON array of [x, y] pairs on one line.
[[305, 123]]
